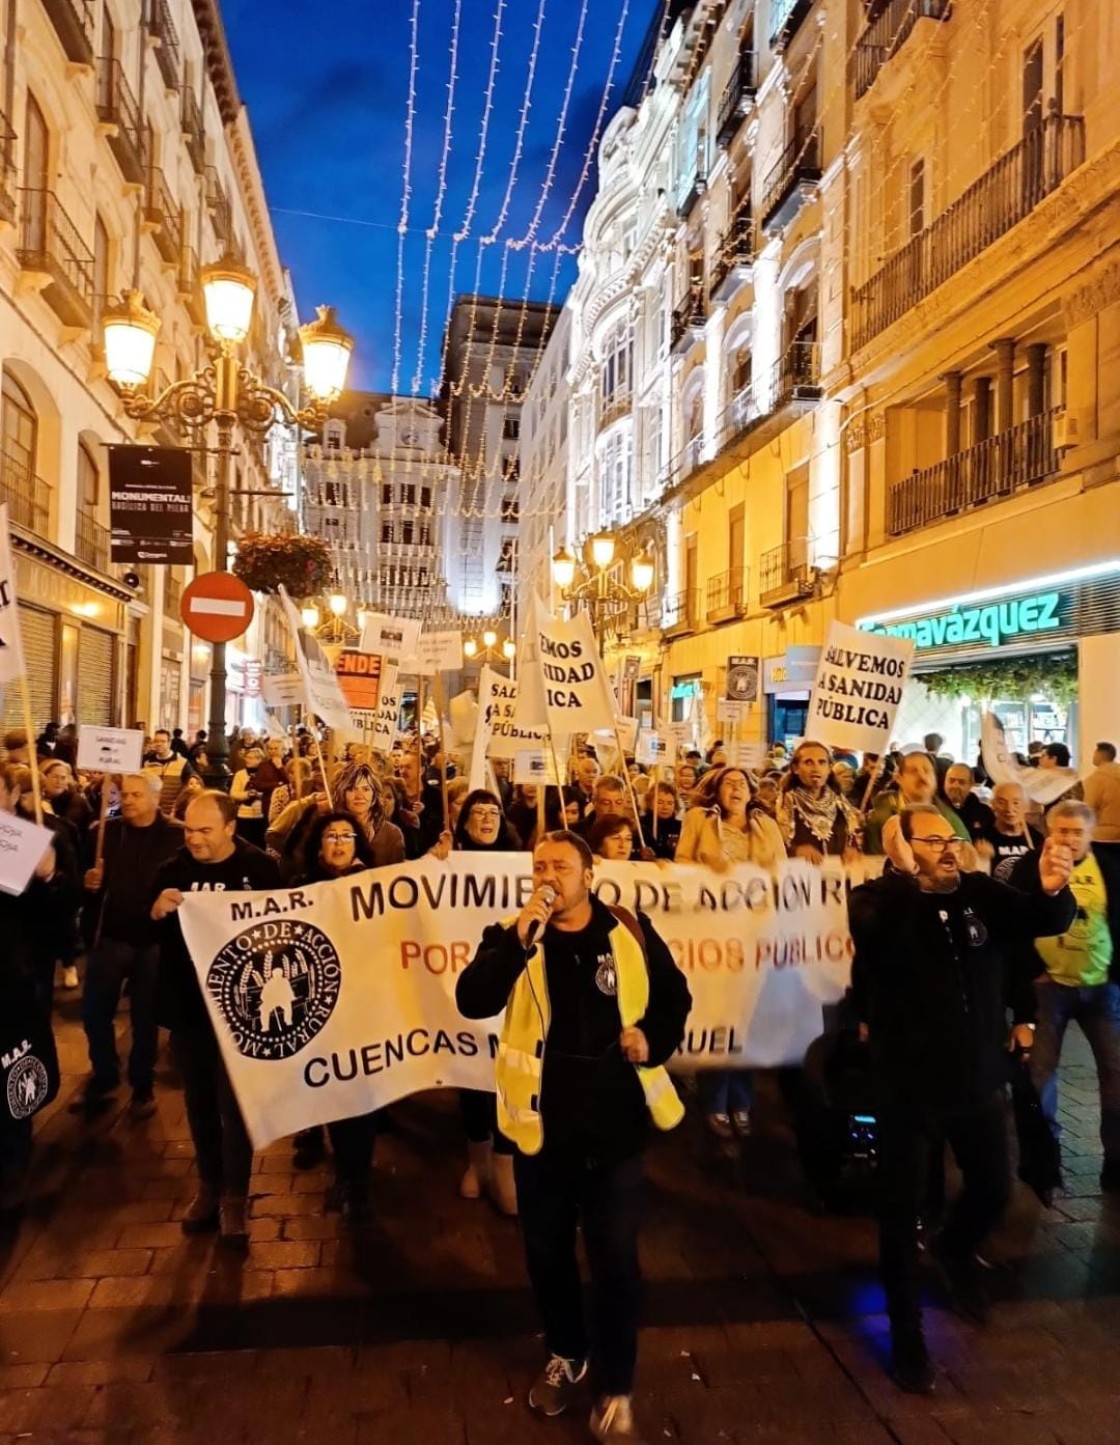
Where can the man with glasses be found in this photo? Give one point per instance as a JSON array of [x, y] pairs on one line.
[[930, 984], [214, 860]]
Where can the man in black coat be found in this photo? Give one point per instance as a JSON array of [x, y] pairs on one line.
[[930, 987]]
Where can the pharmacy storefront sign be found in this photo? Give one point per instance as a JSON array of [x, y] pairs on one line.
[[995, 623]]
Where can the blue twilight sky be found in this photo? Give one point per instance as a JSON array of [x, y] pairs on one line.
[[326, 83]]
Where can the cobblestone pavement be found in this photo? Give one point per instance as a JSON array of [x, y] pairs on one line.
[[764, 1320]]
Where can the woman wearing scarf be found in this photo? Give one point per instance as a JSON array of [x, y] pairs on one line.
[[816, 819]]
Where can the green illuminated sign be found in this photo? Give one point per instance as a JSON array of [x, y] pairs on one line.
[[994, 622]]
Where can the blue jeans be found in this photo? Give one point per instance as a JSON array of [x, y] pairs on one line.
[[725, 1091], [1097, 1011], [109, 964]]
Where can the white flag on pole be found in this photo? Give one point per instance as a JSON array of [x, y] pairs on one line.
[[531, 710], [388, 708], [324, 696], [577, 695], [11, 638]]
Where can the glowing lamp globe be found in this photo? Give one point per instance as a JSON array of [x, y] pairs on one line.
[[563, 569], [602, 550], [489, 638], [129, 330], [641, 573], [470, 647], [309, 616], [229, 291], [326, 355], [338, 604]]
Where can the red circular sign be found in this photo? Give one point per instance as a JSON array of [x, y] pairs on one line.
[[217, 607]]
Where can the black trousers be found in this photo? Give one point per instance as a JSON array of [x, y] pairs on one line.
[[110, 962], [978, 1138], [222, 1149], [352, 1141], [554, 1195]]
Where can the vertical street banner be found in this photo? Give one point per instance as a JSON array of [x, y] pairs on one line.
[[577, 695], [858, 689], [742, 679], [388, 708], [11, 638], [322, 694], [150, 510]]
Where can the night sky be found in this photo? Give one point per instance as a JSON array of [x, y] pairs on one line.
[[326, 83]]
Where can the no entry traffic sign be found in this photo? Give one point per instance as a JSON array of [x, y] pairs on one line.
[[217, 607]]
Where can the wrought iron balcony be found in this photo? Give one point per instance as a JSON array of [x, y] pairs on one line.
[[682, 613], [689, 320], [161, 28], [738, 97], [221, 212], [75, 23], [741, 413], [91, 541], [726, 595], [187, 285], [163, 217], [792, 180], [28, 496], [797, 375], [991, 469], [193, 133], [999, 200], [786, 18], [888, 32], [119, 113], [697, 187], [7, 170], [51, 250], [734, 260], [785, 574]]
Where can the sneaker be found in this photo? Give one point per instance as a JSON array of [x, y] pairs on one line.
[[309, 1148], [142, 1105], [910, 1365], [70, 977], [557, 1385], [741, 1121], [613, 1419], [233, 1222], [964, 1281], [720, 1125], [202, 1212]]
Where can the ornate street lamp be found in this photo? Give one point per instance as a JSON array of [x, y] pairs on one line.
[[490, 649], [228, 393], [593, 582]]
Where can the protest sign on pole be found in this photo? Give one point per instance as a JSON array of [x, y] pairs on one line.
[[282, 689], [530, 709], [390, 637], [497, 710], [359, 677], [1041, 785], [388, 709], [339, 998], [435, 652], [537, 766], [322, 694], [652, 749], [110, 750], [730, 712], [858, 688], [577, 695], [742, 679], [22, 844]]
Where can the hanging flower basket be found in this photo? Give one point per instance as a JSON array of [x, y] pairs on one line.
[[302, 565]]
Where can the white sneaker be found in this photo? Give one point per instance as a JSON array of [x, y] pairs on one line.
[[70, 977], [613, 1419], [557, 1385]]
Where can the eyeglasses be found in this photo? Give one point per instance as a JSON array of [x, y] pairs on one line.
[[940, 845], [340, 838], [487, 815]]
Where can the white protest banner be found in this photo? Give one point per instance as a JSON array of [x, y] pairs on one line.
[[578, 697], [388, 709], [11, 638], [530, 709], [110, 750], [322, 693], [1041, 785], [678, 734], [652, 749], [497, 709], [22, 844], [435, 652], [339, 998], [627, 729], [390, 637], [462, 714], [282, 689], [859, 685], [535, 765], [751, 756], [732, 712]]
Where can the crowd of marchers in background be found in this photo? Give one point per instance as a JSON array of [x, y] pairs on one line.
[[995, 923]]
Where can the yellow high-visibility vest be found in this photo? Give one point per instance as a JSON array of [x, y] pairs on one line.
[[520, 1060]]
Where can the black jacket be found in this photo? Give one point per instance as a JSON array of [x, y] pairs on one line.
[[933, 975], [131, 858], [1025, 876], [591, 1098]]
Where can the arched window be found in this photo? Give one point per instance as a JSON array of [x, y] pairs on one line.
[[89, 481], [19, 431]]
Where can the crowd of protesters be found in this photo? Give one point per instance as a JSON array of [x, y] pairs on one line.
[[993, 923]]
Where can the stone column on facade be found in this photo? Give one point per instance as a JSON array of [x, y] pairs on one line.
[[1005, 384], [1036, 377], [981, 409], [952, 380], [66, 495]]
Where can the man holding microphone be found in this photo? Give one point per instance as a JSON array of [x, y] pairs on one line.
[[594, 1006]]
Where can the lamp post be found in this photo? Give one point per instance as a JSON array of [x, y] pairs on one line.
[[593, 583], [336, 628], [490, 650], [227, 393]]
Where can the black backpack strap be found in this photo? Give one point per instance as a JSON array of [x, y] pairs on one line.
[[631, 924]]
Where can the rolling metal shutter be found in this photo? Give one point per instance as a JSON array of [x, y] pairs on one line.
[[95, 676], [40, 652]]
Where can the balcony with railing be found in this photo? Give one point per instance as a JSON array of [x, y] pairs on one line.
[[1003, 196], [739, 416], [786, 18], [726, 595], [91, 541], [190, 120], [75, 23], [797, 375], [28, 496], [7, 170], [162, 217], [682, 613], [737, 100], [733, 264], [161, 28], [887, 33], [221, 212], [1005, 463], [689, 320], [697, 186], [792, 180], [187, 285], [785, 574], [53, 253], [119, 113]]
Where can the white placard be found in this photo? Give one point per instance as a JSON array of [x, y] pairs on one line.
[[730, 712], [534, 765], [679, 733], [859, 686], [282, 689], [653, 749], [322, 693], [388, 708], [22, 844], [390, 637], [751, 756], [435, 652], [110, 750], [497, 707], [627, 733]]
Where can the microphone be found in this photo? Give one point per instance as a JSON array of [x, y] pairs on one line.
[[536, 928]]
